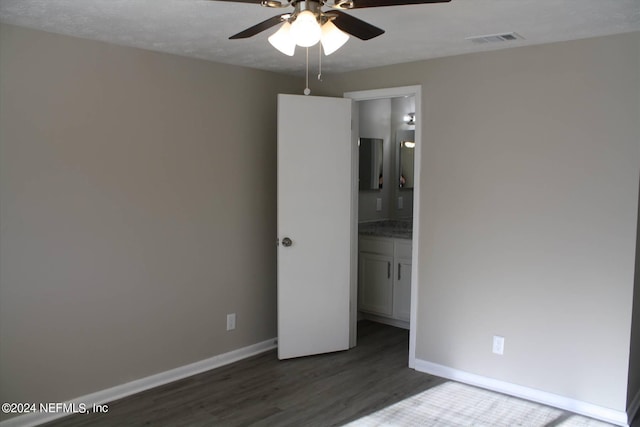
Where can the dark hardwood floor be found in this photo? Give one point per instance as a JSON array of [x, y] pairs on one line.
[[325, 390]]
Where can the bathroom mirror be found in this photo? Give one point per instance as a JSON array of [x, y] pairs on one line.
[[406, 148], [370, 176]]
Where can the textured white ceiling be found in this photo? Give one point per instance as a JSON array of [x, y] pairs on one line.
[[200, 28]]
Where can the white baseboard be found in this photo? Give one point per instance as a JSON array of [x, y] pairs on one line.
[[550, 399], [633, 408], [127, 389]]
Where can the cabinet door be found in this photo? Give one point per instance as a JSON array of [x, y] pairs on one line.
[[376, 283], [402, 290]]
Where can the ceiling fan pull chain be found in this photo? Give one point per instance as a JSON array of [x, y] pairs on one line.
[[319, 62], [307, 91]]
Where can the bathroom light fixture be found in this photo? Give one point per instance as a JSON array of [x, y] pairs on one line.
[[410, 119], [408, 144]]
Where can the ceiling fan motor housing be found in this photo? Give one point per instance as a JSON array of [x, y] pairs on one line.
[[337, 4]]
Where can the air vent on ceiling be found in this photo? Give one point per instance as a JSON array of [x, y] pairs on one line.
[[494, 38]]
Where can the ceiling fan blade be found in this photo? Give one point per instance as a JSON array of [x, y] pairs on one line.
[[258, 28], [359, 4], [354, 26]]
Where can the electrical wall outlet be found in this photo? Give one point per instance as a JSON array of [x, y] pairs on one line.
[[498, 344], [378, 204], [400, 202], [231, 321]]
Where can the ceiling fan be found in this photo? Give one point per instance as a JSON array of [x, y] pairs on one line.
[[308, 24]]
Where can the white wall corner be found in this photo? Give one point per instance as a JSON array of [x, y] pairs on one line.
[[146, 383], [538, 396]]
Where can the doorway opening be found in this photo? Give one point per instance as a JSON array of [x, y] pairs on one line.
[[386, 140]]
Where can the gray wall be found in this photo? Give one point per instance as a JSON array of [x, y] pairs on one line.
[[634, 354], [137, 209], [529, 194]]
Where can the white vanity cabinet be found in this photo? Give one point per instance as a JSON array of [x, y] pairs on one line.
[[384, 278], [402, 282], [375, 275]]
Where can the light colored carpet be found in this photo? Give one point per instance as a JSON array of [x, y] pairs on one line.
[[454, 405]]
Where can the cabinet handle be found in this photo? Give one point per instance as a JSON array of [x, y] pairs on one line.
[[399, 269], [388, 269]]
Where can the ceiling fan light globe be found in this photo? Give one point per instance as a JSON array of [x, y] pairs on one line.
[[332, 38], [282, 40], [305, 30]]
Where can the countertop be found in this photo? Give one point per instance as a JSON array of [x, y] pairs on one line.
[[401, 229]]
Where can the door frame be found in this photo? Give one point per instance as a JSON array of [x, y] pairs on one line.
[[365, 95]]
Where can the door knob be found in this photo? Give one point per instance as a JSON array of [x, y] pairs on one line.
[[286, 242]]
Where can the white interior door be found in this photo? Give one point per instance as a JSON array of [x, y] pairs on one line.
[[315, 214]]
